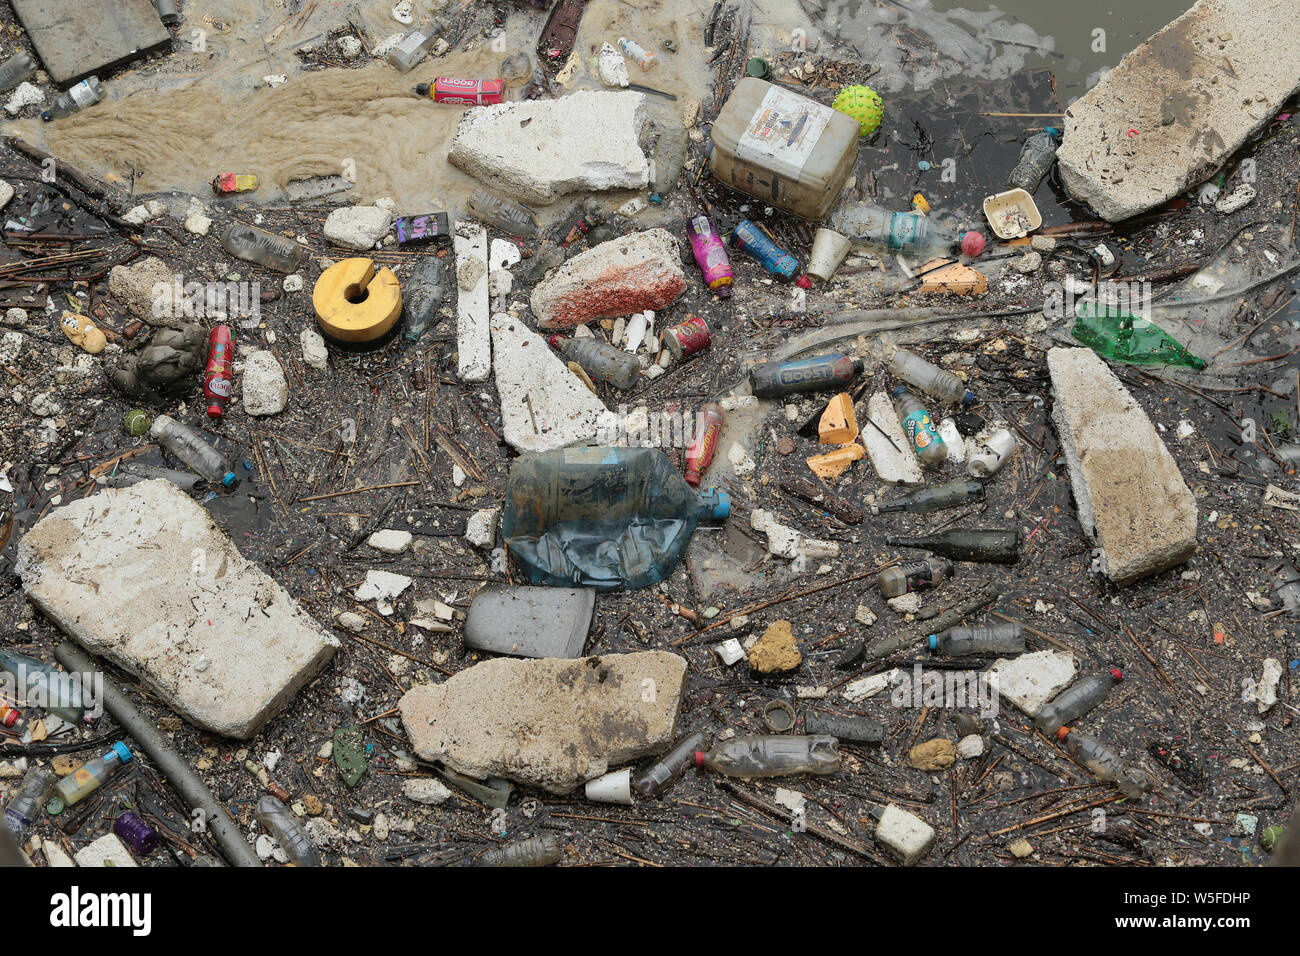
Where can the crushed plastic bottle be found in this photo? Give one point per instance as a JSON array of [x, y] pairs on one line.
[[265, 248], [15, 70], [708, 426], [775, 755], [929, 378], [914, 576], [954, 494], [422, 296], [1008, 638], [187, 445], [88, 778], [284, 828], [919, 427], [600, 360], [907, 232], [1036, 159], [775, 379], [1123, 337], [86, 93], [602, 517], [671, 765], [1105, 763], [535, 851], [1076, 700], [26, 804], [988, 545]]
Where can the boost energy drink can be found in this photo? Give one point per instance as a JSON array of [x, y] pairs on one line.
[[229, 183], [774, 379], [454, 90]]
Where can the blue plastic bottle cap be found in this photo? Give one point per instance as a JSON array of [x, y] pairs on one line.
[[934, 641], [122, 751], [898, 391], [229, 479], [720, 501], [968, 398], [1051, 131]]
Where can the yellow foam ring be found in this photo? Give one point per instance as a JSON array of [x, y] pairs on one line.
[[356, 303]]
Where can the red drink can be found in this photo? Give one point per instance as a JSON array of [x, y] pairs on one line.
[[687, 338], [217, 378], [451, 89]]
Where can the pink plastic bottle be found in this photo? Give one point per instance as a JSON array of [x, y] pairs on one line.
[[711, 254]]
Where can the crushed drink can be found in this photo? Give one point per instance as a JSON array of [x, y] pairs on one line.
[[454, 90], [229, 183], [686, 338], [217, 378], [413, 230]]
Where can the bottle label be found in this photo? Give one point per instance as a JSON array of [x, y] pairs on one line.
[[82, 94], [902, 231], [783, 132], [920, 430]]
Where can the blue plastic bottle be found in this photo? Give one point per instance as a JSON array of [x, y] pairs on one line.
[[748, 238], [604, 518]]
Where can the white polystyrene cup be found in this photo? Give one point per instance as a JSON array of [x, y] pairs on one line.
[[828, 251], [614, 787]]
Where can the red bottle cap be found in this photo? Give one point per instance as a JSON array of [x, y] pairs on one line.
[[1060, 734], [803, 282], [11, 717], [214, 410], [1117, 674], [972, 244], [700, 758]]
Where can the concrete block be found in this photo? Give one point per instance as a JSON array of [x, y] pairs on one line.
[[143, 576], [905, 836], [1133, 503], [473, 337]]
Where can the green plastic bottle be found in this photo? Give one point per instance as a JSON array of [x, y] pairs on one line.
[[1129, 338]]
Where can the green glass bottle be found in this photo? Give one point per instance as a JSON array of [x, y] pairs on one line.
[[1129, 338]]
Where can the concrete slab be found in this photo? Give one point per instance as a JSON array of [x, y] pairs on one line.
[[75, 39], [1133, 503], [1180, 105], [144, 577], [553, 724], [543, 405], [108, 850], [473, 338], [540, 150]]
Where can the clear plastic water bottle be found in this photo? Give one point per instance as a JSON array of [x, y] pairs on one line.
[[535, 851], [16, 69], [1036, 159], [42, 682], [1076, 700], [26, 804], [1105, 763], [929, 378], [265, 248], [88, 778], [602, 517], [671, 765], [775, 755], [279, 821], [600, 360], [907, 232], [506, 214], [189, 447], [1006, 638], [86, 93], [919, 427]]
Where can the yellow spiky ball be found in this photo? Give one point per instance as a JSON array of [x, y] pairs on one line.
[[863, 104]]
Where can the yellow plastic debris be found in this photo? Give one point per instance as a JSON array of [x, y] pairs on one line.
[[838, 424], [834, 463], [356, 304], [83, 332], [953, 279]]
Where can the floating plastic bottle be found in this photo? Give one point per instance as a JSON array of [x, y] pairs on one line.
[[1076, 700], [776, 755], [775, 379], [506, 214], [671, 765], [38, 681], [1105, 763], [601, 361], [535, 851], [26, 804], [88, 778], [189, 447], [1006, 638], [129, 473], [1128, 338], [710, 254], [919, 427], [954, 494], [602, 517], [753, 241], [1036, 159], [16, 69], [914, 576], [422, 296], [987, 545], [929, 378], [279, 821], [86, 93], [257, 245], [708, 426], [907, 232], [637, 53]]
